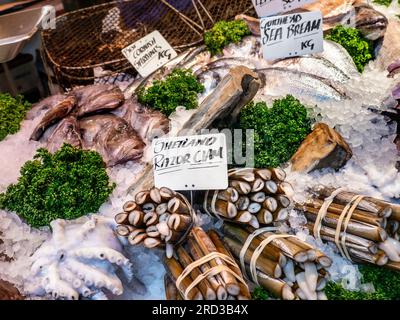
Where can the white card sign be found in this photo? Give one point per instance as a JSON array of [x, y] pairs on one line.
[[191, 162], [265, 8], [149, 53], [291, 35]]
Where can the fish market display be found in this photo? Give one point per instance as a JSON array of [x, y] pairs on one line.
[[254, 197], [286, 266], [205, 269], [273, 227], [156, 217], [363, 228], [79, 260]]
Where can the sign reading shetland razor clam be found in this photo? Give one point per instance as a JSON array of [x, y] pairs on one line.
[[191, 162], [291, 35], [149, 53], [265, 8]]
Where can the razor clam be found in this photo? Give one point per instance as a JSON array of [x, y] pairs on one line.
[[338, 56], [280, 82], [317, 66], [56, 113], [67, 131]]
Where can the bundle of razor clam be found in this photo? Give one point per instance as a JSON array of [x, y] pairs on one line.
[[254, 197], [286, 266], [364, 229], [204, 269], [156, 218]]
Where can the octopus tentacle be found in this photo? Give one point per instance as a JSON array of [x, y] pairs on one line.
[[57, 287], [93, 276], [102, 253]]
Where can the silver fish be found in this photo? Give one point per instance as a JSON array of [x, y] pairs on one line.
[[147, 122], [317, 66], [112, 137], [67, 131], [337, 55], [279, 82], [56, 113]]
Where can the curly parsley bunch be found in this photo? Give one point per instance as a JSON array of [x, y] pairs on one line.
[[12, 112], [278, 131], [66, 185], [386, 284], [224, 33], [180, 88]]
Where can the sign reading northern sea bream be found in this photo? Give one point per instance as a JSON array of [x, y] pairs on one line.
[[291, 35], [265, 8], [149, 53], [191, 162]]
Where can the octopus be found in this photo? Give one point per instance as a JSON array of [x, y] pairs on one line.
[[80, 259]]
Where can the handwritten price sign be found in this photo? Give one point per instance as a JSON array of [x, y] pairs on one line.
[[291, 35], [149, 53], [267, 8], [191, 162]]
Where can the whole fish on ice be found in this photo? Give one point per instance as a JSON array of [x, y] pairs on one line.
[[112, 137], [56, 113]]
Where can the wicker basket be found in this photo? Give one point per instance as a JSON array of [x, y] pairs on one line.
[[91, 39]]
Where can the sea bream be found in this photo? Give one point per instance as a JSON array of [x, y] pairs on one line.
[[313, 65], [67, 131], [278, 82], [112, 137], [338, 56]]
